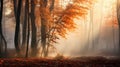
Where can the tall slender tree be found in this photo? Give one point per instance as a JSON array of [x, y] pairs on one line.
[[33, 30], [118, 18], [92, 25], [44, 23], [17, 12], [24, 30], [28, 29], [51, 12], [2, 39]]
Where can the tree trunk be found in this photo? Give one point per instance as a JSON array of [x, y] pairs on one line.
[[24, 33], [118, 18], [17, 28], [33, 39], [2, 39], [91, 21], [43, 27], [28, 36], [48, 38], [28, 25]]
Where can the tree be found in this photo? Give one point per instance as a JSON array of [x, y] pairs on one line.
[[26, 29], [44, 23], [17, 12], [59, 22], [118, 17], [34, 31], [91, 29], [24, 24], [2, 39]]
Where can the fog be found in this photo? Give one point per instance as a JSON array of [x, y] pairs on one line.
[[100, 39]]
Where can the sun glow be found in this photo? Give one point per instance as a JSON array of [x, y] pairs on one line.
[[64, 3], [8, 9], [76, 41]]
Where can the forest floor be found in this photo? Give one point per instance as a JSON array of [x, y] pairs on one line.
[[58, 62]]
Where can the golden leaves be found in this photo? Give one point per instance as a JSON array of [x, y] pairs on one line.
[[60, 20], [66, 17]]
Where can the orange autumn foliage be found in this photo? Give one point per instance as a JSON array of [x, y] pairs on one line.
[[65, 21], [61, 20]]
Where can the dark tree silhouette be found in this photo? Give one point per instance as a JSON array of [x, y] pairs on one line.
[[28, 25], [33, 30], [24, 32], [2, 39], [17, 12]]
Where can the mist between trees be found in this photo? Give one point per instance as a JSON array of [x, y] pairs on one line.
[[40, 28]]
